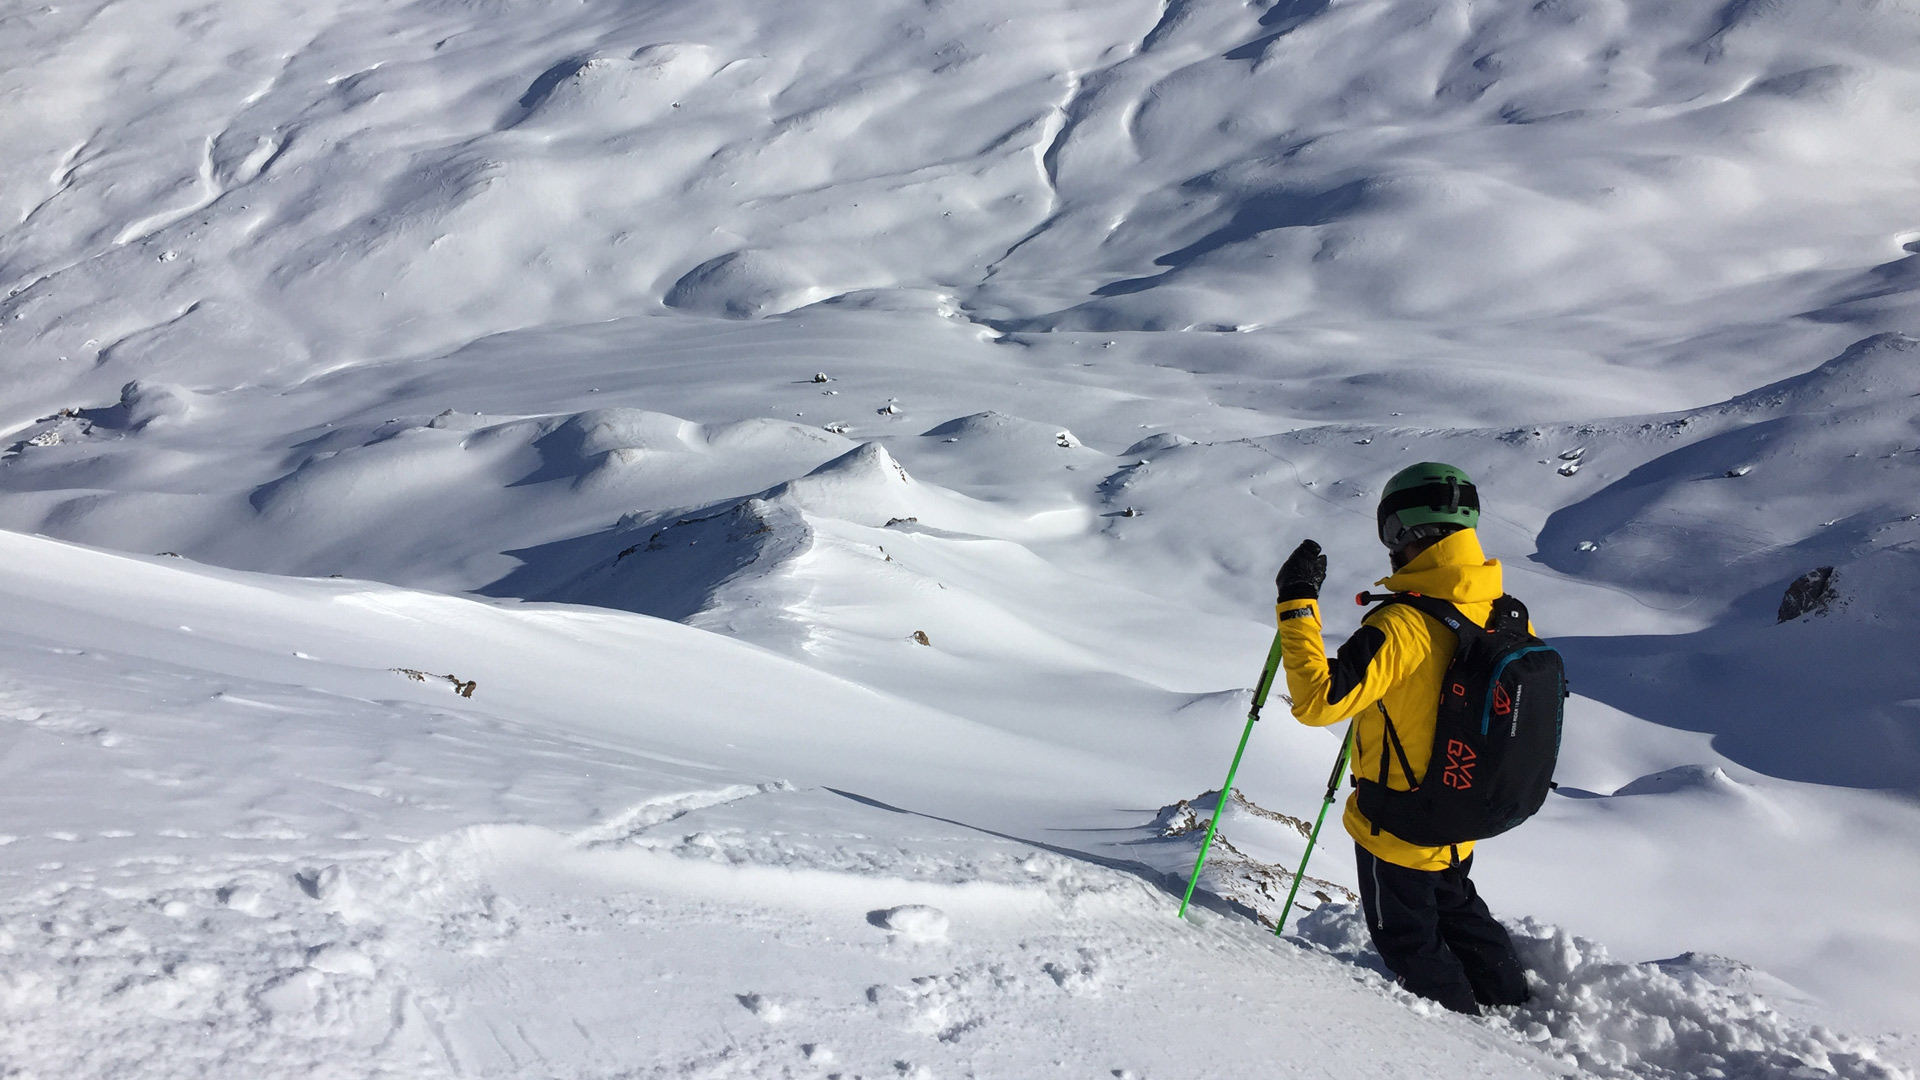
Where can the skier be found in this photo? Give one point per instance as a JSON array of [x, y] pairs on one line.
[[1427, 921]]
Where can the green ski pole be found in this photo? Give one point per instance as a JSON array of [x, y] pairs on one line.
[[1226, 790], [1333, 788]]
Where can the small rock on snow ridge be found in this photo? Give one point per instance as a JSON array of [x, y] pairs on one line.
[[1812, 593], [1232, 872]]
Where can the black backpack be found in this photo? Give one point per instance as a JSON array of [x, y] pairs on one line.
[[1495, 739]]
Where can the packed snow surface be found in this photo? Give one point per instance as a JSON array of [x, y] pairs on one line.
[[612, 539]]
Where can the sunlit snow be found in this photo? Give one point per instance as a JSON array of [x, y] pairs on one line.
[[731, 539]]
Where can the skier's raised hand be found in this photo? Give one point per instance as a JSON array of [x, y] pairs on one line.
[[1303, 573]]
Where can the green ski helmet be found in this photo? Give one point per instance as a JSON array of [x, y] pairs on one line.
[[1426, 500]]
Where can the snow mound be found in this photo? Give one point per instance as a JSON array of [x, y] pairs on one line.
[[379, 479], [676, 566], [868, 486], [609, 94], [673, 570], [1670, 1020], [582, 437], [863, 483], [1005, 455], [680, 565], [642, 454], [989, 424], [1701, 778], [144, 403], [1154, 444], [786, 559], [1011, 441], [745, 285], [1735, 977], [1883, 363]]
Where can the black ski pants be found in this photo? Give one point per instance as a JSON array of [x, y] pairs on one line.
[[1436, 934]]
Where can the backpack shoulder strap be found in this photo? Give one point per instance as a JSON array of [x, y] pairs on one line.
[[1393, 738], [1510, 614], [1440, 610]]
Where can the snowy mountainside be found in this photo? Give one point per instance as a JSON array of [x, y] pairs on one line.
[[668, 539], [353, 872], [1654, 187]]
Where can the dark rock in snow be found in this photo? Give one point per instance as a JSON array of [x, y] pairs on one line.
[[1812, 591]]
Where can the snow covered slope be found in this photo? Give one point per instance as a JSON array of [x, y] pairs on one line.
[[804, 484], [1607, 186], [260, 849]]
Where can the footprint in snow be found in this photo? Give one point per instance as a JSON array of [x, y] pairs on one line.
[[242, 898], [763, 1007], [1080, 977], [914, 922]]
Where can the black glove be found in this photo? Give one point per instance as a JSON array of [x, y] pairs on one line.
[[1303, 573]]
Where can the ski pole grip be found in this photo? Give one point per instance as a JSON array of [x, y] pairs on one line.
[[1363, 598]]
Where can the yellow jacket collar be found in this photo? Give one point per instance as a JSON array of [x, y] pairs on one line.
[[1453, 569]]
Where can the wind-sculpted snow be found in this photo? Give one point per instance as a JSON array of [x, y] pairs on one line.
[[742, 559], [419, 161], [363, 182], [805, 485]]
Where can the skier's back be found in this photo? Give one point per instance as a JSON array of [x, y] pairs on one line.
[[1427, 920]]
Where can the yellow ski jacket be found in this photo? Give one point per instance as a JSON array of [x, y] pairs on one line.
[[1394, 661]]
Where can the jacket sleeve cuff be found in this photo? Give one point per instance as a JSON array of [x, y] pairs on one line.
[[1297, 609]]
